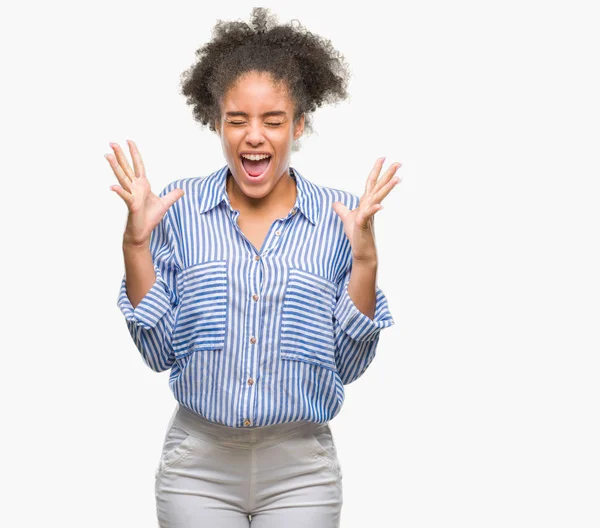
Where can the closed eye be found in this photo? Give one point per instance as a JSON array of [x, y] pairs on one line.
[[243, 123]]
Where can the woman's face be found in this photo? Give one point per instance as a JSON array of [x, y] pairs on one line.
[[257, 117]]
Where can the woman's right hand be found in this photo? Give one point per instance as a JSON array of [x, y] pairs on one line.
[[146, 209]]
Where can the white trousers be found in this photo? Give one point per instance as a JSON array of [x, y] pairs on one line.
[[213, 476]]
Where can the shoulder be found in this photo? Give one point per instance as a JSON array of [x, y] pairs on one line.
[[331, 224], [328, 195], [187, 184], [194, 188]]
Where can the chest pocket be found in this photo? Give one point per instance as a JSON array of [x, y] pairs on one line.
[[202, 316], [307, 319]]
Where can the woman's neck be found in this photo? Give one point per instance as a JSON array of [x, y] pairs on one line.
[[281, 198]]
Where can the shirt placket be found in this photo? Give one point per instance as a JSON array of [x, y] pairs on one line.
[[252, 344]]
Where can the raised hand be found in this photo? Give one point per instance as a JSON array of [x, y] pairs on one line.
[[146, 209], [358, 223]]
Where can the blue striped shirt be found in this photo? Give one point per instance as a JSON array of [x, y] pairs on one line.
[[254, 338]]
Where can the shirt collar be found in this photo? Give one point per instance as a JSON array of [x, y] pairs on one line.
[[213, 192]]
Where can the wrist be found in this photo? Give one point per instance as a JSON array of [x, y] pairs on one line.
[[364, 263], [132, 247]]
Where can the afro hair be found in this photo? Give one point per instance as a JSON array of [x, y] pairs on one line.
[[313, 72]]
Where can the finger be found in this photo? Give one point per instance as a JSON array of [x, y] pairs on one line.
[[369, 214], [127, 198], [119, 173], [138, 164], [373, 175], [373, 209], [120, 155], [384, 180], [385, 190], [171, 197]]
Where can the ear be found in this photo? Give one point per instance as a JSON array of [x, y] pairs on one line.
[[218, 127], [299, 127]]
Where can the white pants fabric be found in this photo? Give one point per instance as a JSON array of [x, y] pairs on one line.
[[282, 475]]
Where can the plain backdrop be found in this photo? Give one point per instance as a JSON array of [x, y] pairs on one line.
[[481, 407]]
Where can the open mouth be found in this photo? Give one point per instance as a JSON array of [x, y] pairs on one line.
[[255, 169]]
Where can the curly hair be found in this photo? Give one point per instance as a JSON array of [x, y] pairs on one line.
[[311, 70]]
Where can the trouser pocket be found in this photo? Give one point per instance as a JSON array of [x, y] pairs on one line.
[[177, 445], [322, 446]]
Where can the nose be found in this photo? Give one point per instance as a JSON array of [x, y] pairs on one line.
[[254, 135]]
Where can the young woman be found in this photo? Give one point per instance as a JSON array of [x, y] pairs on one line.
[[256, 287]]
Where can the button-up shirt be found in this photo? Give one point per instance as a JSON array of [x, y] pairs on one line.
[[254, 337]]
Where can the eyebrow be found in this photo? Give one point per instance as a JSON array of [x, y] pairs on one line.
[[244, 114]]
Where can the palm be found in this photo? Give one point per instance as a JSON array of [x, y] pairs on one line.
[[146, 209]]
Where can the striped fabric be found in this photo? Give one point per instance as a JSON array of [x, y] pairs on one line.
[[254, 337]]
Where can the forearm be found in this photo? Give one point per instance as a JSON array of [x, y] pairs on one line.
[[139, 272], [362, 286]]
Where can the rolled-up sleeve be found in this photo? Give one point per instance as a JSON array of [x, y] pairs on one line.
[[356, 334], [356, 324], [152, 308]]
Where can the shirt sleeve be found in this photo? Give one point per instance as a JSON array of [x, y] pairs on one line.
[[356, 334], [151, 322]]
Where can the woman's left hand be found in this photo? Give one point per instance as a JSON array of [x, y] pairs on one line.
[[358, 223]]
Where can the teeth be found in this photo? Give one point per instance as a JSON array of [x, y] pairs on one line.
[[255, 157]]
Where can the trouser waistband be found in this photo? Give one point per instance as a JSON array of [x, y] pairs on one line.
[[198, 425]]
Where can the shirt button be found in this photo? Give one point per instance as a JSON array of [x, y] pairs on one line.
[[294, 210], [255, 297], [247, 422], [250, 381], [278, 233], [256, 257], [253, 340]]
